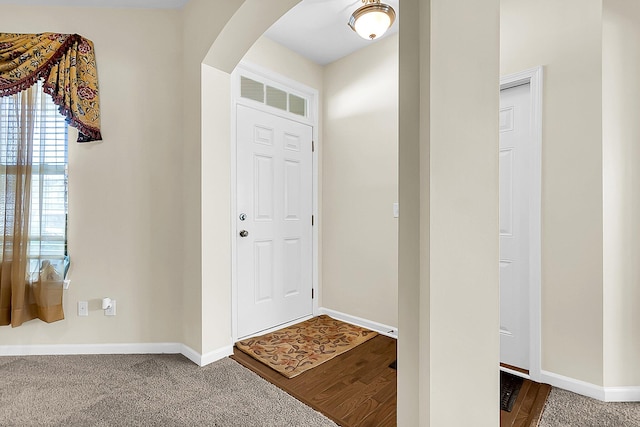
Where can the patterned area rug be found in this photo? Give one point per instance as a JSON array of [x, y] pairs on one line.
[[298, 348]]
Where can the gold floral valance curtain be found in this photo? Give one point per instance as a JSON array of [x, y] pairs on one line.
[[66, 63]]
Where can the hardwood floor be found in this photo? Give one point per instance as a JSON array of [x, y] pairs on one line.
[[528, 407], [355, 389], [358, 389]]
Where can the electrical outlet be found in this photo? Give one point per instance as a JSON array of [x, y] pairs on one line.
[[111, 311], [83, 308]]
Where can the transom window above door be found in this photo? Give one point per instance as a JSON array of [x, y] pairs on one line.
[[273, 96]]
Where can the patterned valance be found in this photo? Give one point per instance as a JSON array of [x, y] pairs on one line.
[[66, 63]]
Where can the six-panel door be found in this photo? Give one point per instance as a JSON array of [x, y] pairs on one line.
[[274, 192]]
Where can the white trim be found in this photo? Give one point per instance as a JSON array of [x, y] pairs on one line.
[[263, 74], [533, 77], [605, 394], [233, 207], [132, 348], [234, 204], [69, 349], [271, 78], [571, 384], [380, 328], [215, 355], [315, 234], [191, 354], [622, 394], [514, 372]]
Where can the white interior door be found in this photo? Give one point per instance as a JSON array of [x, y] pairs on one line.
[[274, 206], [515, 171]]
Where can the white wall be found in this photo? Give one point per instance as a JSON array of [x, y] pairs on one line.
[[125, 205], [464, 291], [621, 181], [448, 283], [202, 22], [565, 37], [277, 58], [360, 184], [414, 341]]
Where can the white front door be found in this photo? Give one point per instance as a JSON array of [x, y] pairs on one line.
[[274, 208], [515, 170]]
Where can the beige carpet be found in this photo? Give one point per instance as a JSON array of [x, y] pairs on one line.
[[566, 409], [298, 348], [142, 390]]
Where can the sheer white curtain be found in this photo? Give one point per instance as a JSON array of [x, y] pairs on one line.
[[32, 245]]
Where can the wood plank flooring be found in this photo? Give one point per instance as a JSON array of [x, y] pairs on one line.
[[355, 389], [358, 389], [528, 407]]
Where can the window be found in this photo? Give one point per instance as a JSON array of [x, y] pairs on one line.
[[274, 97], [48, 219]]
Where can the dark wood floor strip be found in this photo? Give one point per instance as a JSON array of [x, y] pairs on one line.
[[528, 406], [354, 389], [538, 405], [515, 368]]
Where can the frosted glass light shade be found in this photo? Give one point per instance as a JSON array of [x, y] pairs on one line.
[[372, 20]]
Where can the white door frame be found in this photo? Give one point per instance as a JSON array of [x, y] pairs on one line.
[[533, 77], [276, 80]]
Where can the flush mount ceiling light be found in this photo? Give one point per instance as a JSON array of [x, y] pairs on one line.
[[372, 20]]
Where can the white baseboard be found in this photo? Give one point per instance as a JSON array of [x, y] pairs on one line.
[[133, 348], [389, 331], [191, 354], [622, 394], [214, 356], [571, 384], [605, 394], [69, 349]]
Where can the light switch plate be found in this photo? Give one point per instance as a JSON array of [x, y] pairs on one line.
[[396, 210], [83, 308]]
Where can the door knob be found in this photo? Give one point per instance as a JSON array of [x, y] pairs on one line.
[[244, 233]]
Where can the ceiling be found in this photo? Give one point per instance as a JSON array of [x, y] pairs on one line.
[[316, 29]]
